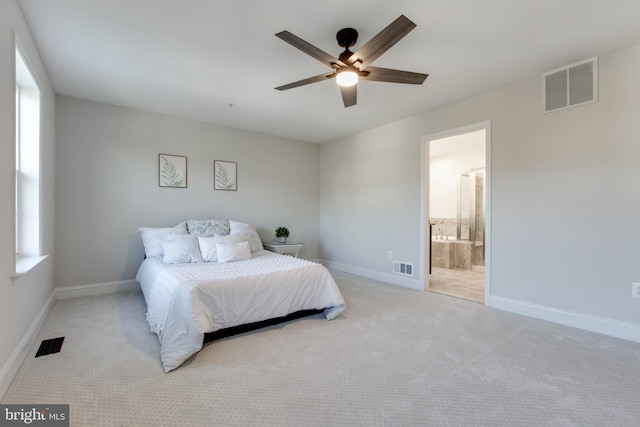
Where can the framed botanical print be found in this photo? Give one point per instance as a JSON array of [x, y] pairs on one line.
[[172, 171], [225, 175]]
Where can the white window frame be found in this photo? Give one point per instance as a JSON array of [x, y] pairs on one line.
[[28, 229]]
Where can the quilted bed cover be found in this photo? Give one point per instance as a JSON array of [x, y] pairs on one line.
[[185, 301]]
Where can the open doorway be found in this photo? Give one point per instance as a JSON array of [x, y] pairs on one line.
[[456, 212]]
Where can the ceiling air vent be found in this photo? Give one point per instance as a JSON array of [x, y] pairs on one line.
[[570, 86]]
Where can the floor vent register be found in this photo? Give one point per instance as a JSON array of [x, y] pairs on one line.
[[50, 346]]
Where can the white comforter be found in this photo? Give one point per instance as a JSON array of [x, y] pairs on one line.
[[184, 301]]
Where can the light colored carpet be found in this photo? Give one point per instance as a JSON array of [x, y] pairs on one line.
[[396, 357]]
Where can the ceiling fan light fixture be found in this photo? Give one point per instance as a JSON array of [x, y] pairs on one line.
[[348, 67], [346, 77]]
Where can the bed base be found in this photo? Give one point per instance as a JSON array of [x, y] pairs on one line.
[[240, 329]]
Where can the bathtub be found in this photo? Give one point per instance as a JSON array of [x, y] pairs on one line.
[[436, 238]]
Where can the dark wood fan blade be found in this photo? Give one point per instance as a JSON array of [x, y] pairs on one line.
[[309, 49], [378, 74], [349, 95], [303, 82], [380, 43]]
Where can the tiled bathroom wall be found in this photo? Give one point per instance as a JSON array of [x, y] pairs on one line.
[[446, 227]]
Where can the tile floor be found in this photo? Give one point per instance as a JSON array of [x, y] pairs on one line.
[[467, 284]]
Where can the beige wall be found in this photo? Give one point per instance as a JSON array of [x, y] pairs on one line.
[[23, 301], [107, 185], [565, 194]]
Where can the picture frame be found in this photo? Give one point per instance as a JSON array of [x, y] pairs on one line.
[[225, 175], [172, 171]]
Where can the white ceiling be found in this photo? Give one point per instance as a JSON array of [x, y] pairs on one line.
[[195, 58]]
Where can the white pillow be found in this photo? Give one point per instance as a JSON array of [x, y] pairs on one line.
[[228, 252], [152, 238], [180, 249], [208, 247], [247, 232]]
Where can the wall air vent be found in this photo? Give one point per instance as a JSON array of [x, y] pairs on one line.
[[573, 85], [403, 268]]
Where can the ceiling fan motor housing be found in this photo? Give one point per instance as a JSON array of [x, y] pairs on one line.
[[347, 37]]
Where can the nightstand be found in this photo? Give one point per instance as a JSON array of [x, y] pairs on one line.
[[283, 248]]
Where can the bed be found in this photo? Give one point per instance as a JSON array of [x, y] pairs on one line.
[[187, 300]]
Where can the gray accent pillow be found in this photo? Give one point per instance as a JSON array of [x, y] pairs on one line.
[[208, 227]]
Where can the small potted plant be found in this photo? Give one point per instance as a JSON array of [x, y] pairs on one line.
[[282, 233]]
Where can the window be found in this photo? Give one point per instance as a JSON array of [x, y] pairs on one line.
[[27, 180]]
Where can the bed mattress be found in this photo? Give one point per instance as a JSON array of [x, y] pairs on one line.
[[185, 301]]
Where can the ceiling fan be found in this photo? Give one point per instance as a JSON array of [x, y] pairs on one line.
[[349, 67]]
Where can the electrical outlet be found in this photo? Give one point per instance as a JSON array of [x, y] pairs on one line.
[[389, 255], [635, 290]]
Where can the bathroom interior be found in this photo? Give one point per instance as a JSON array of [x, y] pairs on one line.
[[457, 174]]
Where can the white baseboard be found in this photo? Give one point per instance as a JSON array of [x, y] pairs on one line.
[[10, 369], [375, 275], [96, 289], [601, 325]]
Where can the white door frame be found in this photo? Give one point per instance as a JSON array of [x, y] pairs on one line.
[[424, 203]]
